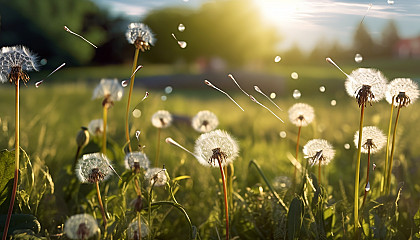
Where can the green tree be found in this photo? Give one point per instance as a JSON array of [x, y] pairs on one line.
[[363, 43], [390, 37]]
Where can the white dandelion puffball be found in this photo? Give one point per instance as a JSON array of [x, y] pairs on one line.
[[16, 58], [366, 77], [204, 121], [156, 176], [108, 88], [133, 230], [372, 137], [96, 127], [162, 119], [301, 114], [318, 150], [402, 85], [215, 144], [136, 159], [139, 31], [81, 226], [93, 167]]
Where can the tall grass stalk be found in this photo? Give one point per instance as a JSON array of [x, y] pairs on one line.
[[367, 176], [391, 158], [225, 197], [16, 174], [384, 178], [105, 118], [102, 208], [133, 76], [357, 175], [297, 153]]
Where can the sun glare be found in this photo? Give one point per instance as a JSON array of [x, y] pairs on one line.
[[282, 12]]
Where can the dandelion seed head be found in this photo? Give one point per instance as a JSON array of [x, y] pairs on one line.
[[110, 89], [402, 85], [366, 85], [93, 167], [135, 160], [96, 127], [81, 226], [301, 114], [216, 144], [133, 230], [162, 119], [156, 176], [204, 121], [15, 62], [372, 138], [140, 35], [318, 150]]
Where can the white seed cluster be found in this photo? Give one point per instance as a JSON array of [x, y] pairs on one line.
[[16, 56], [136, 158], [162, 119], [156, 176], [402, 85], [372, 137], [93, 162], [301, 114], [81, 226], [318, 150], [204, 121], [367, 77], [139, 30], [110, 88]]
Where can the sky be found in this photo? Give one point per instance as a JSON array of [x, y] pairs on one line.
[[306, 22]]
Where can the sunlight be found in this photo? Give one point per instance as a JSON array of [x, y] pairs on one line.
[[283, 12]]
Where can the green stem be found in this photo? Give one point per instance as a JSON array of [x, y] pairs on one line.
[[16, 175], [252, 162], [297, 153], [139, 223], [105, 119], [383, 179], [157, 149], [127, 132], [319, 171], [225, 196], [150, 210], [138, 191], [367, 177], [391, 158], [101, 207], [357, 175]]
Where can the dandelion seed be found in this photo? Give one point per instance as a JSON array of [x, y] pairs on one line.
[[255, 100], [93, 167], [15, 62], [301, 114], [68, 30], [173, 142], [370, 6], [329, 60], [204, 121], [214, 145], [182, 44], [136, 160], [318, 150], [162, 119], [110, 90], [237, 84], [81, 226], [133, 230], [211, 85], [373, 139], [403, 90], [277, 59], [181, 27], [138, 135], [296, 94], [358, 58], [140, 35], [259, 90], [96, 127], [156, 177], [37, 84]]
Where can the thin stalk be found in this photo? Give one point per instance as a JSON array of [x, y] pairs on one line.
[[127, 132], [138, 191], [391, 158], [150, 210], [101, 206], [225, 196], [157, 149], [319, 171], [229, 176], [383, 179], [105, 118], [139, 223], [17, 149], [357, 175], [367, 177], [297, 153]]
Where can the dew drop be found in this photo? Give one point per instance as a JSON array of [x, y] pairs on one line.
[[391, 2], [163, 98], [322, 89], [273, 95], [347, 146], [181, 27], [43, 61], [38, 83], [296, 94], [124, 83], [277, 59], [283, 134], [138, 135], [182, 44], [358, 58], [294, 75], [168, 89], [367, 188], [136, 113], [333, 102]]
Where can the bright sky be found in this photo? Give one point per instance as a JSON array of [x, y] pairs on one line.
[[306, 22]]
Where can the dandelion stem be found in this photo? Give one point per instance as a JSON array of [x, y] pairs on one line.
[[297, 153], [101, 206], [357, 175], [138, 191], [139, 223], [105, 118], [133, 76], [225, 196], [17, 149], [367, 177], [157, 149], [319, 171], [383, 180], [391, 158]]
